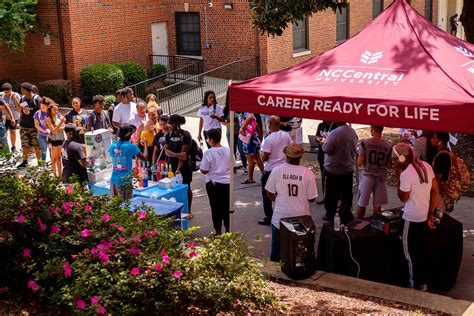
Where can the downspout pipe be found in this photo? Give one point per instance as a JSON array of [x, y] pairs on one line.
[[61, 38]]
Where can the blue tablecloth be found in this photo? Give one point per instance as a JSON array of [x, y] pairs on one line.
[[161, 207], [179, 192]]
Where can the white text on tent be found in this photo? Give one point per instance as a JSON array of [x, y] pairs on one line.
[[413, 113]]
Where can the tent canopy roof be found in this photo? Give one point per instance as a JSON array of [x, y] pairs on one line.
[[400, 71]]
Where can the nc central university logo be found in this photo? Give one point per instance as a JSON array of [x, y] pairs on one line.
[[370, 58], [364, 74]]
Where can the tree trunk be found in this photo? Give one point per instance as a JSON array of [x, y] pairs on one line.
[[467, 20]]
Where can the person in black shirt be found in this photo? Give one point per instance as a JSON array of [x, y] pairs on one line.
[[98, 118], [29, 104], [159, 140], [284, 125], [73, 155], [177, 146], [322, 131], [77, 116], [442, 160]]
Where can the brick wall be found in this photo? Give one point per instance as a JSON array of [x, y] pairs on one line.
[[110, 31], [37, 62]]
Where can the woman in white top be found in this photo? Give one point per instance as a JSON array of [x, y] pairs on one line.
[[418, 189], [56, 123], [138, 120], [215, 165], [210, 115]]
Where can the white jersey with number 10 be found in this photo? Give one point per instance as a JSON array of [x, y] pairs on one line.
[[294, 186]]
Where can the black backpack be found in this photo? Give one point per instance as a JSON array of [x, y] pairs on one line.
[[195, 154]]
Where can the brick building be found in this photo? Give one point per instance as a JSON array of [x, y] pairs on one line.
[[110, 31]]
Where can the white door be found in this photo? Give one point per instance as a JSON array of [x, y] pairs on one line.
[[159, 40], [443, 15]]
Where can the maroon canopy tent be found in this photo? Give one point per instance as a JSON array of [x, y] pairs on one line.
[[400, 71]]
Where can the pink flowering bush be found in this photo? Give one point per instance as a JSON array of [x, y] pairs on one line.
[[73, 252]]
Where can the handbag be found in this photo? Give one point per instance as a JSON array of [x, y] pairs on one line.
[[249, 131]]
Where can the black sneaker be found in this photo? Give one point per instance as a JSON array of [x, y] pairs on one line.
[[23, 165]]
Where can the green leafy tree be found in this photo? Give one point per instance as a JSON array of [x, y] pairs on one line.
[[17, 18], [467, 20], [274, 16]]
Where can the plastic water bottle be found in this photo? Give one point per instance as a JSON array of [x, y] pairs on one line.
[[337, 222]]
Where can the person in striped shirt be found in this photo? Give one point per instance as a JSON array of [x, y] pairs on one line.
[[291, 186]]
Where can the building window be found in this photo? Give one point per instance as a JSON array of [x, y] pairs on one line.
[[429, 9], [377, 8], [342, 25], [300, 35], [188, 34]]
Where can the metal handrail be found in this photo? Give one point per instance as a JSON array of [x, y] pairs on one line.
[[162, 75], [205, 73], [184, 94]]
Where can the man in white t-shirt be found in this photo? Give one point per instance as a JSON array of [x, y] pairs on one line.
[[215, 165], [291, 186], [210, 115], [125, 109], [418, 189], [272, 156]]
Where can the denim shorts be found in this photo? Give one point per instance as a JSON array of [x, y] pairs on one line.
[[252, 147]]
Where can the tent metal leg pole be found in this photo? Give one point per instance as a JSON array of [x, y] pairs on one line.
[[231, 166]]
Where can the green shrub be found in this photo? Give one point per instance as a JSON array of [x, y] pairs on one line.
[[133, 72], [58, 90], [101, 79], [157, 70], [109, 99], [76, 253]]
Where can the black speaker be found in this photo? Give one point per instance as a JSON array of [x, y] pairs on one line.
[[297, 246]]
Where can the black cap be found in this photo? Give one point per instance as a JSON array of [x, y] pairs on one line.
[[72, 128]]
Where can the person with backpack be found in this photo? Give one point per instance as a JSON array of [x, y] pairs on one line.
[[178, 143], [210, 115], [29, 104], [442, 159], [216, 168], [98, 118], [451, 173]]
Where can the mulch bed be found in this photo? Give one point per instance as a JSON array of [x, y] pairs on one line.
[[300, 299]]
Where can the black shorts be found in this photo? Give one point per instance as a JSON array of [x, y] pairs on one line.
[[187, 174], [55, 143], [8, 124]]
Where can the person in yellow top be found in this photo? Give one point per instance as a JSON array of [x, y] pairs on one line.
[[149, 130], [152, 103]]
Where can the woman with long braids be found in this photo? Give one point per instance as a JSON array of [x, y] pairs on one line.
[[418, 189]]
